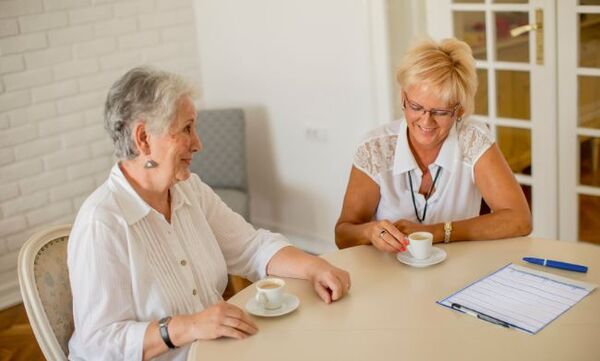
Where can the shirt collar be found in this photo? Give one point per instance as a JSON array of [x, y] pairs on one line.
[[178, 197], [133, 206], [404, 160]]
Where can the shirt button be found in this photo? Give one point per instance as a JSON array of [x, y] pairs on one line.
[[194, 292], [183, 262]]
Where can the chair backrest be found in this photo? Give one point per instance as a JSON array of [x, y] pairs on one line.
[[46, 291], [222, 163]]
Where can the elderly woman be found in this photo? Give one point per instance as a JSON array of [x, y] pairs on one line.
[[150, 249], [429, 171]]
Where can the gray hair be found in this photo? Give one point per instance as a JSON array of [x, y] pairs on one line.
[[142, 94]]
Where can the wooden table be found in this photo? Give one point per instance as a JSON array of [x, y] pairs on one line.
[[391, 312]]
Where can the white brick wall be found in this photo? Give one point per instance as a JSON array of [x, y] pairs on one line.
[[57, 60]]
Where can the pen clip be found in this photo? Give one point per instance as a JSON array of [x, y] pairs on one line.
[[480, 315]]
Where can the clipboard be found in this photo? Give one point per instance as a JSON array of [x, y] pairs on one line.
[[519, 297]]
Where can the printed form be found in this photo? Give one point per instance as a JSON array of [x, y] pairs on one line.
[[519, 297]]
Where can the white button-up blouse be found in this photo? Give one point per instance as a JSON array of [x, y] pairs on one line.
[[129, 266], [385, 156]]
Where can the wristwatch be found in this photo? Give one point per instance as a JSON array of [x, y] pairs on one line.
[[447, 231], [163, 324]]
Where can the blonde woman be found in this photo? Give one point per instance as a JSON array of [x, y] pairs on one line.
[[430, 170]]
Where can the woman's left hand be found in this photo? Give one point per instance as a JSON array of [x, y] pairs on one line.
[[408, 227], [330, 282]]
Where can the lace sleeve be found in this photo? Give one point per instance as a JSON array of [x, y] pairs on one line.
[[474, 140], [375, 155]]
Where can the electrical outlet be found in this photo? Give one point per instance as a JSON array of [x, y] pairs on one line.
[[316, 134]]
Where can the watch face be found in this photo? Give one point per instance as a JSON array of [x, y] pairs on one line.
[[163, 321]]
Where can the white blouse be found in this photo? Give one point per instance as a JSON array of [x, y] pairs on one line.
[[385, 156], [129, 266]]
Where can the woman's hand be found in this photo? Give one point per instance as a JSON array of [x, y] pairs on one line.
[[408, 227], [386, 237], [222, 320], [330, 282]]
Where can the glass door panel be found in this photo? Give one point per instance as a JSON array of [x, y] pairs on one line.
[[589, 214], [589, 161], [515, 144], [513, 94], [589, 101], [469, 26], [589, 40], [508, 48], [481, 98]]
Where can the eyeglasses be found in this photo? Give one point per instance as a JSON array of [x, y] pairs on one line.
[[439, 114]]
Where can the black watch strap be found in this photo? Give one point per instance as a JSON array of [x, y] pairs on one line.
[[163, 324]]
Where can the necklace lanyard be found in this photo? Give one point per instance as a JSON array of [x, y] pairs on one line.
[[412, 193]]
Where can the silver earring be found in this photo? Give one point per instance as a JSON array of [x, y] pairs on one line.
[[150, 164]]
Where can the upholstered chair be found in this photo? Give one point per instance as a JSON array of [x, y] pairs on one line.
[[222, 162], [46, 291], [222, 165]]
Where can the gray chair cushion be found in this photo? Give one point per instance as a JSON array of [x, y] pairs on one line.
[[236, 200], [222, 163]]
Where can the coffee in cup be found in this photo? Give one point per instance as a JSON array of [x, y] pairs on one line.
[[269, 293], [420, 244]]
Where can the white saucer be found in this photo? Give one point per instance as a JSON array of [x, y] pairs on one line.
[[437, 256], [290, 303]]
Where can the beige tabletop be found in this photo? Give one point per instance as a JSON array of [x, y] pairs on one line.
[[391, 312]]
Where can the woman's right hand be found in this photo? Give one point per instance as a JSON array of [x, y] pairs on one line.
[[386, 237], [222, 320]]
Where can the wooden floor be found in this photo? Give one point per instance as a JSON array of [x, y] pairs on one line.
[[17, 341]]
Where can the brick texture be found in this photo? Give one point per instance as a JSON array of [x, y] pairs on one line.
[[57, 60]]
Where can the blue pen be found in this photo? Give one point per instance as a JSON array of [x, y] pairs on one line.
[[556, 264]]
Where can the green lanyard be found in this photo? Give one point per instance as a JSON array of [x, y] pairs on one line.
[[412, 193]]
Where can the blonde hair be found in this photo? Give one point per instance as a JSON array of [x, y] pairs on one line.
[[448, 67]]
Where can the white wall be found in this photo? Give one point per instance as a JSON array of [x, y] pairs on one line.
[[295, 66], [57, 60], [407, 23], [291, 65]]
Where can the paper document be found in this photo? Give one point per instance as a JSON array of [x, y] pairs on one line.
[[519, 297]]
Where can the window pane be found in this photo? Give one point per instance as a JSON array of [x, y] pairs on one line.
[[470, 27], [515, 144], [481, 98], [589, 101], [589, 161], [513, 94], [589, 214], [589, 38], [589, 2], [507, 47]]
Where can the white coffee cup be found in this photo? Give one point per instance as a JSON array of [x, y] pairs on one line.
[[420, 244], [269, 293]]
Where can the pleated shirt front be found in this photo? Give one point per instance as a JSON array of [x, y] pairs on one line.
[[128, 266]]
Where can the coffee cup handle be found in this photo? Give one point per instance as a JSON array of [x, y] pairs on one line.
[[262, 298]]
